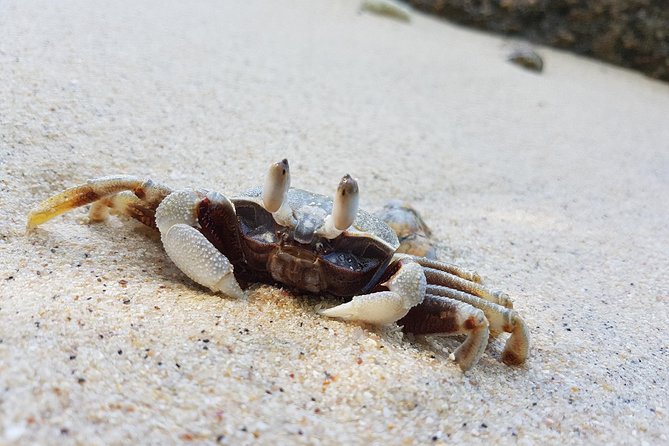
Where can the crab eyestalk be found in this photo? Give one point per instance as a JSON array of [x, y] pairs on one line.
[[344, 209], [346, 202], [276, 185]]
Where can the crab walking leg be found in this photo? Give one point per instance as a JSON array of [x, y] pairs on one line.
[[449, 268], [501, 319], [123, 203], [140, 203], [100, 209], [189, 249], [442, 278], [406, 290], [441, 315], [149, 194]]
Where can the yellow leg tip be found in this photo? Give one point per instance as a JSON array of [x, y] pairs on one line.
[[34, 220]]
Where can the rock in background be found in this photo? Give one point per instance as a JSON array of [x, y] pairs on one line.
[[631, 33]]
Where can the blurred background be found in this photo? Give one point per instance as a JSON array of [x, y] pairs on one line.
[[630, 33]]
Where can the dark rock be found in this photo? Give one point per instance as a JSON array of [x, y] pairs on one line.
[[631, 33]]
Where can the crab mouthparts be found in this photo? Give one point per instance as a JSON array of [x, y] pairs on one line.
[[309, 220], [305, 229]]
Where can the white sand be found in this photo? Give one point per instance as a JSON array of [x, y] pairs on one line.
[[554, 187]]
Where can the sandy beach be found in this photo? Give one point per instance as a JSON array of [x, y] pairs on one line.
[[552, 186]]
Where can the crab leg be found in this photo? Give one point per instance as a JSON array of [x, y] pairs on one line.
[[102, 192], [406, 290], [446, 279], [442, 315], [448, 268], [188, 248], [501, 319], [123, 203], [101, 209]]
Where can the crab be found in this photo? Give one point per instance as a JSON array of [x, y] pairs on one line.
[[312, 244]]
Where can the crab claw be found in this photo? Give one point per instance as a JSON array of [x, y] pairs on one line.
[[276, 185], [345, 205], [199, 259], [406, 289], [380, 308]]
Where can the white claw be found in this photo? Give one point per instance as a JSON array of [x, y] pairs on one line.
[[200, 260], [228, 285], [345, 205], [406, 290], [410, 283], [379, 308], [276, 185]]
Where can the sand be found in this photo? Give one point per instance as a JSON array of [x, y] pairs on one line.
[[554, 187]]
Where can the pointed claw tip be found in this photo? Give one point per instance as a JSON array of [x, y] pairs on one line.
[[229, 287], [341, 311]]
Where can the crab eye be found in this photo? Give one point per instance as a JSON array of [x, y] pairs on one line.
[[345, 205], [276, 185]]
